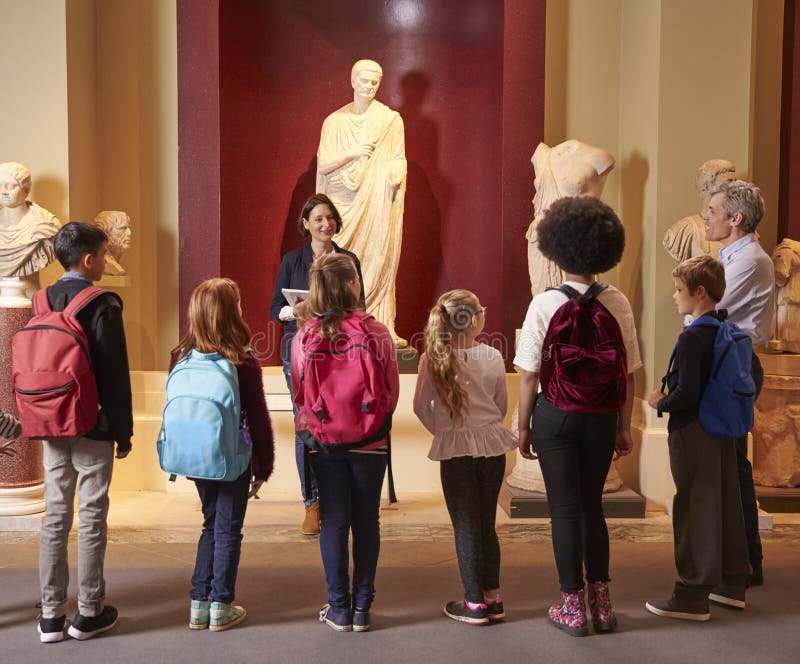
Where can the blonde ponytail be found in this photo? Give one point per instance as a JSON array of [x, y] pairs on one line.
[[454, 312]]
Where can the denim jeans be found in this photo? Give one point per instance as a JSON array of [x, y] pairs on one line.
[[86, 464], [350, 495], [224, 505], [575, 452], [299, 447], [471, 486]]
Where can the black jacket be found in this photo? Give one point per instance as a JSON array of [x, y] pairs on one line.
[[102, 322]]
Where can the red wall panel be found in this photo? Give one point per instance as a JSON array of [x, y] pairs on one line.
[[467, 79]]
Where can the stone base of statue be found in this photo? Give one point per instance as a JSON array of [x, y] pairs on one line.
[[407, 360], [778, 500], [776, 432], [522, 504], [527, 475], [21, 472]]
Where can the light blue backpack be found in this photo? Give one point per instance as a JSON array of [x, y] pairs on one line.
[[201, 436]]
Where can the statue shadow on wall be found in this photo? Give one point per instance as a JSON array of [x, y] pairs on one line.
[[428, 197], [304, 188]]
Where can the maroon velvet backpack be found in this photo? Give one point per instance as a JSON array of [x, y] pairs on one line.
[[584, 364]]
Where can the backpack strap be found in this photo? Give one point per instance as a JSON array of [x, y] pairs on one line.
[[41, 305], [392, 493], [82, 298], [591, 293]]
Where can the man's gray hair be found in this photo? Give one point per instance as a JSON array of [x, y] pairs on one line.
[[743, 198]]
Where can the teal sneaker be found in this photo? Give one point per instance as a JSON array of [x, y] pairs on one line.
[[224, 616], [199, 614]]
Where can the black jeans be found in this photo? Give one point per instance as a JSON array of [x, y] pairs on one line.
[[575, 451], [707, 518], [746, 486], [224, 505], [471, 486]]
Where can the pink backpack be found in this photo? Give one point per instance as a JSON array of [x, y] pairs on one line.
[[54, 386], [342, 397], [584, 362]]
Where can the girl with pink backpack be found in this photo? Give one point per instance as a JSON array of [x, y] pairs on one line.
[[343, 420], [461, 400]]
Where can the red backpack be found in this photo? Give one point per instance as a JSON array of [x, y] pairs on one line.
[[54, 387], [342, 397], [584, 364]]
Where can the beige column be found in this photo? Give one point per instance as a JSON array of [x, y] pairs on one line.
[[663, 85]]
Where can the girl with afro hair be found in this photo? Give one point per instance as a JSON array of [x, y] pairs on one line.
[[584, 237]]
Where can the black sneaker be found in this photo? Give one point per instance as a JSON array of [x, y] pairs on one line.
[[339, 619], [495, 611], [461, 612], [679, 608], [360, 620], [85, 627], [731, 597], [51, 630]]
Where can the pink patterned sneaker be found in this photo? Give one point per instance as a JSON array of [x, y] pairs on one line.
[[571, 615], [603, 618]]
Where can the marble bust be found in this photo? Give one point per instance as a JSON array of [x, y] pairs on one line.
[[26, 230], [117, 225], [571, 168], [686, 238], [361, 167]]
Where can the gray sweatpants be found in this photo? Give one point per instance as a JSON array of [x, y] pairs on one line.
[[68, 463]]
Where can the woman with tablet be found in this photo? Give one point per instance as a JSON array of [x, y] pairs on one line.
[[319, 221]]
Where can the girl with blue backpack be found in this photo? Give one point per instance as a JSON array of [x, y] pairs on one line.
[[345, 385], [216, 347], [461, 399]]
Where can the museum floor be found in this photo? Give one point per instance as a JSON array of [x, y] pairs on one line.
[[151, 552]]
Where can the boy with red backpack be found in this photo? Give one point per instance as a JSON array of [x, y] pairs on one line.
[[578, 345], [83, 418]]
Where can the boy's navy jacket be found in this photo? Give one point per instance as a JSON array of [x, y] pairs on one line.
[[722, 395], [102, 321], [687, 377]]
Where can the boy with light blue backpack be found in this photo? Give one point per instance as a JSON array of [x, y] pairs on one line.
[[216, 431]]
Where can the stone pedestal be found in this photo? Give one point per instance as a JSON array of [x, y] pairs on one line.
[[776, 433], [21, 472], [527, 475]]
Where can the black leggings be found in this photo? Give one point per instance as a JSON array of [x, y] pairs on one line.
[[575, 451], [471, 486]]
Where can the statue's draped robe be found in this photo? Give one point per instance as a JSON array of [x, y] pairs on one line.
[[361, 189], [27, 247]]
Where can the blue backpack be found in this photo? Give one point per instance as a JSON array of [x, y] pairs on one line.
[[726, 406], [201, 434]]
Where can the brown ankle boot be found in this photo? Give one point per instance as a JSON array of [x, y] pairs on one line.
[[310, 524]]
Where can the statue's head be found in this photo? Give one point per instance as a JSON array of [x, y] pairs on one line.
[[712, 173], [15, 184], [117, 226], [365, 77]]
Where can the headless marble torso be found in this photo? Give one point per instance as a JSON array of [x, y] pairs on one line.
[[571, 168]]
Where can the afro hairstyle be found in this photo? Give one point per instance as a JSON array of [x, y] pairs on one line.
[[582, 235]]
